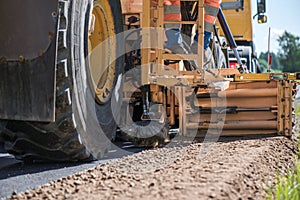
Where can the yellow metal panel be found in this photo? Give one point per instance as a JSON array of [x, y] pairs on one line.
[[252, 77], [240, 22], [266, 76]]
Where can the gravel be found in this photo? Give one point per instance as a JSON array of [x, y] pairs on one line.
[[234, 168]]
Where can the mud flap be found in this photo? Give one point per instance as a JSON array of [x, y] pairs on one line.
[[28, 59]]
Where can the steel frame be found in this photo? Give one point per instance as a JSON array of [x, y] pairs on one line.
[[256, 103]]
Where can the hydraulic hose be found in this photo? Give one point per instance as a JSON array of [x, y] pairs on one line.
[[230, 40]]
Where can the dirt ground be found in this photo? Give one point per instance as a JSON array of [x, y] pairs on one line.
[[232, 169]]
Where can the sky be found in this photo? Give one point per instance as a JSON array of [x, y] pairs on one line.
[[282, 15]]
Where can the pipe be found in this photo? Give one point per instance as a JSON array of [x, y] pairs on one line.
[[230, 40]]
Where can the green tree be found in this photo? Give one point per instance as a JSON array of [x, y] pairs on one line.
[[263, 64], [263, 59], [289, 54]]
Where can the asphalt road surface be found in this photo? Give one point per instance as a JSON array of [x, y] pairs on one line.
[[17, 177]]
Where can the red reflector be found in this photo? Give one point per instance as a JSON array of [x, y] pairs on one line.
[[232, 64], [270, 59]]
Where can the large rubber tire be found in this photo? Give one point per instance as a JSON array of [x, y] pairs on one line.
[[83, 128]]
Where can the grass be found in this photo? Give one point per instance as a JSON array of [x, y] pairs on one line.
[[297, 111], [288, 187]]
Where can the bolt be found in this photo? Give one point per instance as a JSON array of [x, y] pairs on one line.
[[50, 35], [41, 53], [21, 58], [2, 59], [54, 14]]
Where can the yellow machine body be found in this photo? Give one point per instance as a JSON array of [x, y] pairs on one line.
[[249, 104], [240, 22]]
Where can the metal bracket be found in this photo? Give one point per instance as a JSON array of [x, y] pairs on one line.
[[267, 76]]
